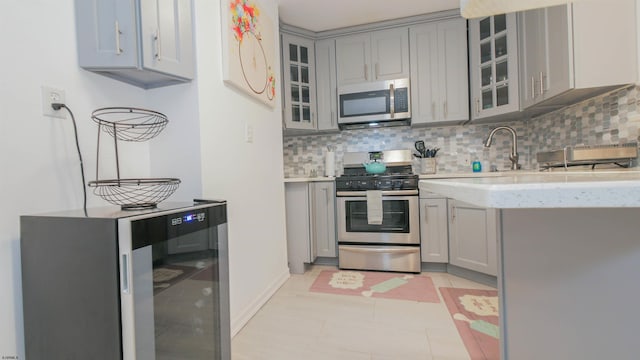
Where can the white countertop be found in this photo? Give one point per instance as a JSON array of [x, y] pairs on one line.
[[528, 189], [309, 179]]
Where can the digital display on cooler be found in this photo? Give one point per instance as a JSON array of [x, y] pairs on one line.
[[188, 218]]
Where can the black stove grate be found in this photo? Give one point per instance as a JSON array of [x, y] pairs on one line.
[[390, 171]]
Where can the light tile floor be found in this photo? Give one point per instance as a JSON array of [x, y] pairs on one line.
[[296, 324]]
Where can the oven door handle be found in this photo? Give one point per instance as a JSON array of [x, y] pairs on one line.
[[380, 249], [384, 193]]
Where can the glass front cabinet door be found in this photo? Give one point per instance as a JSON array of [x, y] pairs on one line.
[[493, 66], [299, 82]]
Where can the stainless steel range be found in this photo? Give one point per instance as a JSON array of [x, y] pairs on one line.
[[378, 221]]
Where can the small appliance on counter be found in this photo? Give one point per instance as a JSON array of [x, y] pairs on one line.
[[618, 154], [377, 213], [136, 284]]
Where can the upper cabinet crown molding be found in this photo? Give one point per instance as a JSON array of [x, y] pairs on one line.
[[146, 43]]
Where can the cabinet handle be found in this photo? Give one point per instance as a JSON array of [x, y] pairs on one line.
[[366, 71], [156, 39], [446, 110], [118, 33], [426, 213], [377, 70], [392, 100], [124, 270], [453, 214], [477, 106], [533, 88], [433, 110], [541, 83]]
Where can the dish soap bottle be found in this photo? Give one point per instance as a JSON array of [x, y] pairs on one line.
[[476, 166]]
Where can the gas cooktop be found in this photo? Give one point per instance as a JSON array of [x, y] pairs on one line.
[[397, 176]]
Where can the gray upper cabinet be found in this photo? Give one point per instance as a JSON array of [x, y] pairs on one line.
[[373, 56], [147, 43], [439, 82], [326, 86], [299, 87], [493, 66], [569, 53]]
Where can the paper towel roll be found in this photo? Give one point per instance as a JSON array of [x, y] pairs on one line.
[[330, 164]]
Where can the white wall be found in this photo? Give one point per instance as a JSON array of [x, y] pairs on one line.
[[248, 175], [39, 167], [39, 170]]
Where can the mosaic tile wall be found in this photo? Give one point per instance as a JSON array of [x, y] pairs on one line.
[[611, 118], [606, 119]]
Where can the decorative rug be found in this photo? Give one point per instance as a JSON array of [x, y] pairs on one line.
[[475, 313], [377, 285]]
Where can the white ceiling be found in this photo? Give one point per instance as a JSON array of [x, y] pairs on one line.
[[320, 15]]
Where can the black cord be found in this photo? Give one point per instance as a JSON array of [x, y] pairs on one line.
[[58, 106]]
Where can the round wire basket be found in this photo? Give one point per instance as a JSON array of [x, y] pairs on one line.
[[133, 194], [130, 124]]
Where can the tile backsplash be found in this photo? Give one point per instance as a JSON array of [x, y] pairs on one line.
[[606, 119]]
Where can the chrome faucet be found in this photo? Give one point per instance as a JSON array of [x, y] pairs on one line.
[[514, 145]]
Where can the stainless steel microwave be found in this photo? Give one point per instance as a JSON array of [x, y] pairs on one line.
[[379, 103]]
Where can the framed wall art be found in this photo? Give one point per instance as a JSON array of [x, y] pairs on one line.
[[248, 54]]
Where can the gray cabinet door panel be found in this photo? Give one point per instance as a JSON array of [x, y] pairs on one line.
[[107, 34], [166, 33]]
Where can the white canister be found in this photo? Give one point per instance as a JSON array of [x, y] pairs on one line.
[[428, 165], [330, 164]]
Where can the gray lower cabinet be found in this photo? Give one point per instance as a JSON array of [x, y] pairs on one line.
[[434, 232], [146, 43], [311, 231], [473, 237], [324, 216]]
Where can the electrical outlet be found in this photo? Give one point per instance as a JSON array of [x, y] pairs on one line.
[[49, 96], [467, 159]]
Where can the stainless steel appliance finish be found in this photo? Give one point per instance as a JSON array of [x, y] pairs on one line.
[[372, 104], [621, 154], [393, 244], [113, 284], [397, 221]]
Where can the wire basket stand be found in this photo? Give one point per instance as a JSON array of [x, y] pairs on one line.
[[135, 125]]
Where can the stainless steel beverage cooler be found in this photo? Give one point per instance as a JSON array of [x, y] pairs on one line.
[[114, 284]]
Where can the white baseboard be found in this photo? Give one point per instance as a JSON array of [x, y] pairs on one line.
[[239, 322]]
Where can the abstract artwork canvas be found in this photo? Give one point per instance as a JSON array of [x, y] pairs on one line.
[[248, 54]]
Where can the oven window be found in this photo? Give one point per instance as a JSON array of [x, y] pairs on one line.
[[395, 217]]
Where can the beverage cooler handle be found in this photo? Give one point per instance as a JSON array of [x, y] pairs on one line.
[[125, 267]]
